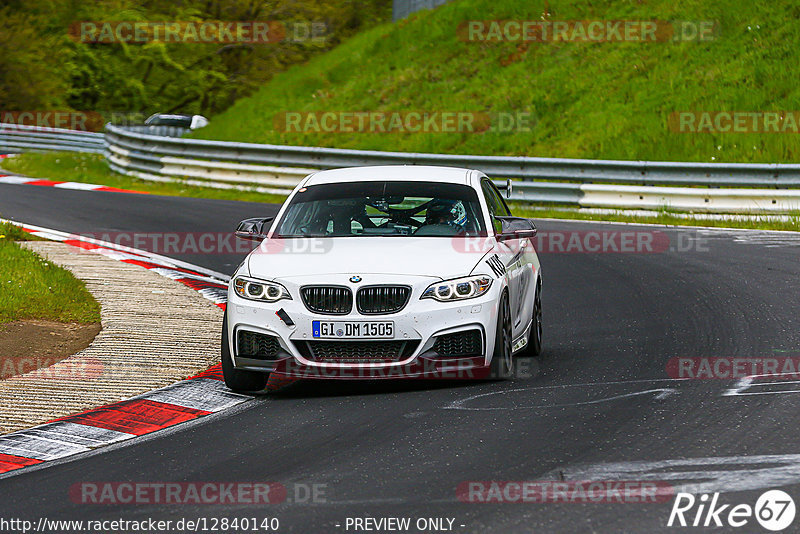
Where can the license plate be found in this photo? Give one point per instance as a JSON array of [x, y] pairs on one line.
[[352, 329]]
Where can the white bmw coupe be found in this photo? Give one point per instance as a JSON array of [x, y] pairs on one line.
[[384, 272]]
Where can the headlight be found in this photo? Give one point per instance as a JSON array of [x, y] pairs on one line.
[[259, 290], [458, 289]]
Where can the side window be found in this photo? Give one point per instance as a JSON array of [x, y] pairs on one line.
[[502, 208], [495, 204]]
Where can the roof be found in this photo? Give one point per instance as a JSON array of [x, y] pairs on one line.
[[418, 173]]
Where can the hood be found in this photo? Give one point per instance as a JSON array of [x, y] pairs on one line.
[[416, 256]]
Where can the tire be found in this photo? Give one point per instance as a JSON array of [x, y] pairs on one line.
[[534, 346], [502, 366], [237, 379]]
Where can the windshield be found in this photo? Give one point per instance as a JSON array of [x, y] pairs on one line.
[[381, 208]]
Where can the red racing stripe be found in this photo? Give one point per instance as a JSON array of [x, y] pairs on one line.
[[276, 380], [117, 190], [43, 182], [214, 372], [141, 263], [151, 265], [136, 416], [197, 285], [82, 244], [9, 462]]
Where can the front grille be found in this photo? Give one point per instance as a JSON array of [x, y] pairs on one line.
[[257, 346], [359, 351], [466, 343], [371, 300], [331, 300]]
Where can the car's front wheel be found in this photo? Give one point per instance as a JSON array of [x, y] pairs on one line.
[[503, 359], [238, 379]]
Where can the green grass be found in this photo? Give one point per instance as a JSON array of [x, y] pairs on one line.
[[34, 288], [589, 100], [92, 168], [12, 232]]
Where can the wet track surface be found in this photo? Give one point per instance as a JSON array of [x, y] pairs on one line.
[[597, 401]]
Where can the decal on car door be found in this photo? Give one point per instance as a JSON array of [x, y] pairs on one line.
[[496, 265]]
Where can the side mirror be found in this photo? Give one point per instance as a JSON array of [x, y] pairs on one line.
[[508, 187], [516, 228], [255, 229]]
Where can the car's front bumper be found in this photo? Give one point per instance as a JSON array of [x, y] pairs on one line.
[[419, 323]]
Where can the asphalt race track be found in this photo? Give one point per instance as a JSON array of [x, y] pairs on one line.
[[598, 405], [121, 214]]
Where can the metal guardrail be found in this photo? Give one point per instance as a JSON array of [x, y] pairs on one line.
[[526, 168], [578, 182], [707, 187], [19, 138]]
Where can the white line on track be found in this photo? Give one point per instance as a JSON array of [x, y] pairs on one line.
[[659, 394], [706, 475], [743, 385]]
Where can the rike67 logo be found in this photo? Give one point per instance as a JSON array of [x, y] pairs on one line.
[[774, 510]]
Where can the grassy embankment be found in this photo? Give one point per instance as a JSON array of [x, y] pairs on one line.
[[33, 288], [609, 100]]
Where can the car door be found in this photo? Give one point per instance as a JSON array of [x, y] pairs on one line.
[[512, 256]]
